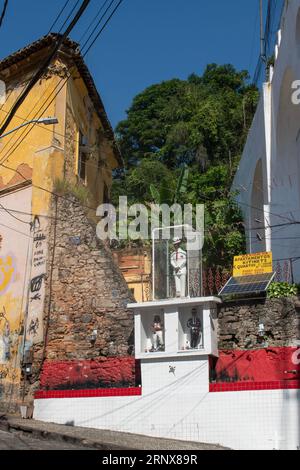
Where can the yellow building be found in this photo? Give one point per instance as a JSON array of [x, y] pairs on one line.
[[135, 265], [75, 155]]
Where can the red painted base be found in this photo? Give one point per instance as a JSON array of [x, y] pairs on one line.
[[243, 386], [259, 369], [98, 373]]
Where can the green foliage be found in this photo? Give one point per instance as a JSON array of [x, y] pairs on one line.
[[63, 187], [164, 193], [182, 141], [197, 120], [277, 290], [136, 183]]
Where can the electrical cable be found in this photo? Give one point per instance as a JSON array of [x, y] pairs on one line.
[[253, 40], [101, 18], [38, 101], [69, 16], [44, 66], [93, 21], [27, 81], [98, 34], [3, 12], [20, 220], [15, 230], [58, 16], [14, 146]]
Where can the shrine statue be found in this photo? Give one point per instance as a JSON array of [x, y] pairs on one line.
[[178, 262], [194, 325], [157, 335]]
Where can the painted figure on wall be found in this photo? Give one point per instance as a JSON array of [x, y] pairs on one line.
[[5, 343], [7, 271], [178, 262]]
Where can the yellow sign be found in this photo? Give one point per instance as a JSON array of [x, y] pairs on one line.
[[257, 263]]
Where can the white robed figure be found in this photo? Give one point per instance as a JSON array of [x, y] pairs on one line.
[[178, 262]]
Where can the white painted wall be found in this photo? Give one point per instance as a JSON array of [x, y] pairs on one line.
[[180, 406], [176, 402], [274, 139], [174, 314]]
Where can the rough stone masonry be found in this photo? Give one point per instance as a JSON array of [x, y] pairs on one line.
[[246, 355], [238, 323], [85, 293]]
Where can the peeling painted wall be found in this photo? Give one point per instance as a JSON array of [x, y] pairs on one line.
[[15, 248]]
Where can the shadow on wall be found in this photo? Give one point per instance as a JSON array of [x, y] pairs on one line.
[[119, 372], [260, 365]]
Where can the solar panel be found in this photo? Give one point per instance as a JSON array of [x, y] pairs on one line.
[[247, 284]]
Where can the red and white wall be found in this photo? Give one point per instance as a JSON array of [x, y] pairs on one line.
[[177, 400]]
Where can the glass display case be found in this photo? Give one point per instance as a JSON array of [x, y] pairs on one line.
[[176, 262]]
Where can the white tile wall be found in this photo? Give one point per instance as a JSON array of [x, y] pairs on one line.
[[179, 405]]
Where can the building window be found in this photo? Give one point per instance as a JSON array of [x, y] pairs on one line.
[[82, 157]]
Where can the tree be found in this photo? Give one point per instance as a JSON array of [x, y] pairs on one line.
[[200, 123], [201, 119]]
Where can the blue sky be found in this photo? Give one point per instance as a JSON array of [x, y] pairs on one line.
[[147, 41]]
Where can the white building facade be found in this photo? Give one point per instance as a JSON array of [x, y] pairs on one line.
[[268, 177]]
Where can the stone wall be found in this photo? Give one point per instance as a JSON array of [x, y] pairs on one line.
[[238, 323], [268, 360], [85, 291]]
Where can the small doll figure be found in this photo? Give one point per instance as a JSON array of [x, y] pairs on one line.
[[157, 335]]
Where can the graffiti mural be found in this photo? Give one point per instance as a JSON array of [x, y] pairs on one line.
[[5, 340], [34, 330], [15, 250], [7, 272], [9, 339]]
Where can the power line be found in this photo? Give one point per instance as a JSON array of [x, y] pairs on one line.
[[58, 16], [14, 146], [94, 209], [69, 16], [101, 18], [44, 67], [3, 12], [15, 230], [253, 39], [98, 34], [223, 194], [44, 189], [10, 210], [12, 149], [291, 222], [20, 139], [93, 21], [27, 81], [20, 220]]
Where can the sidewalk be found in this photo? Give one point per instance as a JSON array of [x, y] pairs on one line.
[[96, 438]]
